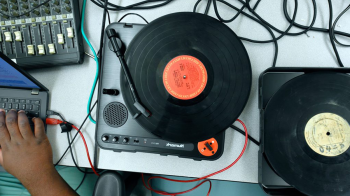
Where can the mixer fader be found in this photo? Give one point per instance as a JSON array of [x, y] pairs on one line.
[[41, 33]]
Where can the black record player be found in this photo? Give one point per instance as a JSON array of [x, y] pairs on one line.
[[116, 128], [185, 79], [324, 91]]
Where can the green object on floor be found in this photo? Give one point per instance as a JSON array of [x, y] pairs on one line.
[[10, 186]]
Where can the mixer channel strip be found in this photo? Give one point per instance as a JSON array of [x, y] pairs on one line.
[[47, 36]]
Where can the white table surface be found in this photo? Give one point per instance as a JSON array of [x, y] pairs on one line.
[[70, 87]]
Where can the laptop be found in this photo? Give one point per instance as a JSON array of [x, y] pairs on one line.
[[20, 91]]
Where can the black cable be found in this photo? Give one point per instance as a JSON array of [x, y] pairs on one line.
[[229, 20], [335, 23], [102, 32], [95, 157], [331, 33], [71, 152], [58, 114], [87, 116], [282, 33], [312, 28], [256, 4], [69, 143], [196, 5], [243, 133], [135, 6], [109, 17], [82, 181], [285, 11], [128, 14], [256, 20], [100, 52], [12, 16], [208, 7], [291, 22], [93, 95]]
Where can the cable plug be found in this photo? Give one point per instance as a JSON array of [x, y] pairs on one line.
[[51, 112], [53, 121], [65, 126]]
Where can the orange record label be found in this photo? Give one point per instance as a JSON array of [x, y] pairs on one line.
[[185, 77]]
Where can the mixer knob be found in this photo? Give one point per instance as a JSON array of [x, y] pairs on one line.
[[4, 8], [68, 8], [36, 12], [15, 7]]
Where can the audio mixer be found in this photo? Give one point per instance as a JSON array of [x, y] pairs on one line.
[[41, 33]]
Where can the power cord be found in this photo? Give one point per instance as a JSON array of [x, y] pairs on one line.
[[82, 181], [256, 4], [72, 155], [96, 60], [149, 187], [65, 152], [318, 29], [240, 11], [67, 127], [335, 23], [206, 9], [243, 133], [257, 18], [291, 21], [70, 146], [331, 34], [136, 6], [128, 14], [98, 57]]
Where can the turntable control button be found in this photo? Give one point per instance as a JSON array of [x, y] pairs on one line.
[[208, 147], [115, 139], [110, 92], [105, 138], [126, 140]]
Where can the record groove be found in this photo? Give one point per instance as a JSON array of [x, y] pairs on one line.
[[321, 99], [228, 76]]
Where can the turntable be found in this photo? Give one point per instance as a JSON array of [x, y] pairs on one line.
[[192, 74], [305, 131]]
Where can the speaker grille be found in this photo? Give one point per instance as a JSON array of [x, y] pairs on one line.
[[115, 114]]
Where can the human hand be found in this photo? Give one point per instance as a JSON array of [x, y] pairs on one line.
[[27, 155], [24, 153]]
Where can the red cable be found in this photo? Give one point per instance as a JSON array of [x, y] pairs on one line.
[[149, 187], [52, 121], [87, 150]]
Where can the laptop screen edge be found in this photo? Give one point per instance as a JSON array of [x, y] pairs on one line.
[[26, 74]]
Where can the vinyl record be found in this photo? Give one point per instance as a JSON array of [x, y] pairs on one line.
[[307, 133], [191, 72]]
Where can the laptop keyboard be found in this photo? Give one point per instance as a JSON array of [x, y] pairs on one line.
[[30, 106]]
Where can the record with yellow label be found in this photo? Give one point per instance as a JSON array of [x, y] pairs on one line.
[[309, 133]]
